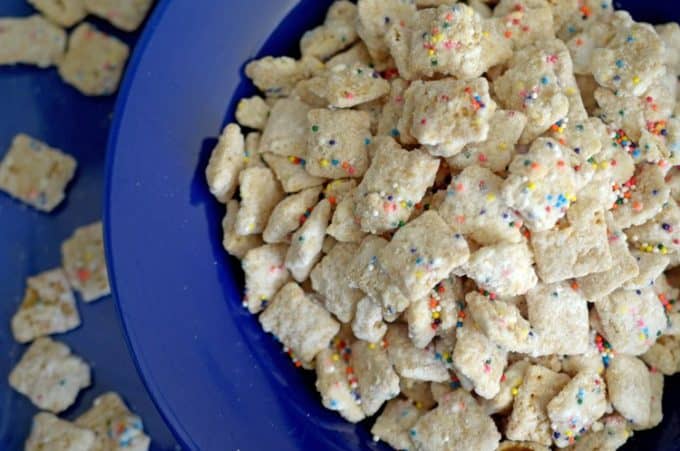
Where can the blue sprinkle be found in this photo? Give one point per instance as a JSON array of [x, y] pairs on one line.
[[367, 141], [619, 64], [545, 80], [394, 132]]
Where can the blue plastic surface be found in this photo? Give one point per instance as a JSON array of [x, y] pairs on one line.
[[220, 382], [35, 101]]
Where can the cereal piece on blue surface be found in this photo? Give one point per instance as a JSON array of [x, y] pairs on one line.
[[504, 269], [94, 61], [82, 256], [479, 359], [661, 234], [473, 206], [277, 76], [410, 361], [252, 112], [330, 279], [50, 433], [337, 142], [529, 418], [346, 86], [650, 266], [502, 322], [48, 307], [670, 35], [664, 355], [524, 22], [265, 273], [288, 215], [368, 324], [35, 173], [299, 322], [30, 40], [391, 112], [422, 253], [235, 244], [629, 388], [569, 334], [576, 407], [307, 241], [497, 150], [509, 387], [631, 320], [395, 181], [260, 192], [127, 15], [375, 18], [543, 183], [333, 386], [436, 313], [49, 375], [65, 13], [290, 171], [631, 60], [613, 434], [227, 160], [458, 423], [641, 197], [373, 373], [286, 129], [343, 226], [358, 53], [445, 115], [334, 35], [115, 427], [443, 41], [393, 424]]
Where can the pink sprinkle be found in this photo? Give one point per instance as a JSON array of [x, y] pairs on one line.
[[448, 44], [482, 158], [423, 121]]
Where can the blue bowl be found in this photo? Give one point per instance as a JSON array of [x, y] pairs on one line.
[[219, 381]]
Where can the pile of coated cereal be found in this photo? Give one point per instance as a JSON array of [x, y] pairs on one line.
[[463, 217]]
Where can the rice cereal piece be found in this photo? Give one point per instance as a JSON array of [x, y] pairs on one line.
[[290, 171], [252, 112], [50, 433], [335, 34], [502, 269], [664, 355], [65, 13], [30, 40], [235, 244], [443, 41], [670, 35], [611, 436], [458, 423], [348, 86], [343, 226], [529, 418], [277, 76], [629, 388], [524, 22], [83, 260], [368, 324], [357, 53], [286, 129], [392, 109], [567, 336], [422, 253], [572, 16], [288, 215], [376, 380], [94, 61], [368, 274], [227, 160], [333, 386], [412, 362], [509, 387], [479, 359], [48, 307], [35, 173], [127, 15], [631, 60], [330, 279], [502, 323], [436, 313], [582, 134], [306, 243], [260, 193], [656, 380], [115, 427], [265, 273], [611, 167], [632, 320], [394, 423], [445, 115], [375, 18], [576, 407], [661, 234], [473, 206], [496, 151], [650, 267], [49, 375], [395, 181], [298, 322]]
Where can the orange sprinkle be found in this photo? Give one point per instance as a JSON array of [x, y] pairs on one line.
[[507, 34]]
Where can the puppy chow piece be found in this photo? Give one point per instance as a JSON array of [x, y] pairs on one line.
[[333, 386], [127, 15], [650, 267], [289, 214], [335, 34], [664, 355], [227, 160], [260, 193], [375, 378], [368, 324], [524, 22], [290, 171], [392, 109], [345, 86], [661, 234], [30, 40], [82, 256], [65, 13], [502, 269], [358, 53], [412, 362], [235, 244], [670, 35], [395, 422], [50, 433], [509, 387], [252, 112], [612, 434], [629, 388], [344, 227], [276, 76], [286, 130], [307, 241], [265, 273], [436, 313], [375, 18]]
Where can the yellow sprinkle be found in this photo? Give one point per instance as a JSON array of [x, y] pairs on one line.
[[664, 251], [636, 80], [437, 37], [531, 186], [571, 198], [323, 162], [604, 165], [570, 91], [642, 336], [403, 204], [502, 146], [485, 34], [371, 346], [291, 159], [430, 52], [246, 159], [569, 433], [336, 357], [251, 226], [514, 391], [469, 11], [419, 274], [419, 405], [446, 355], [263, 297], [435, 315], [491, 197]]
